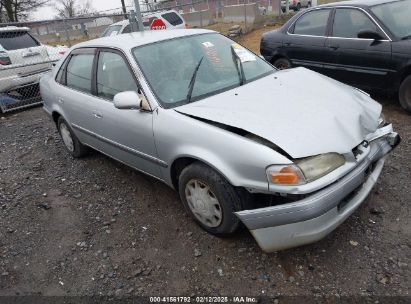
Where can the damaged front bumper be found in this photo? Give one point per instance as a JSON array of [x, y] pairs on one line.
[[312, 218]]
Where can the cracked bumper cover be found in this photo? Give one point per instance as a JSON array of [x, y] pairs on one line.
[[312, 218]]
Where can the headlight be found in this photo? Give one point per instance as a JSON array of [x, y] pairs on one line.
[[305, 170], [381, 121], [320, 165]]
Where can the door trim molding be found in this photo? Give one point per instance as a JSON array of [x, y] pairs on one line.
[[348, 68], [122, 147]]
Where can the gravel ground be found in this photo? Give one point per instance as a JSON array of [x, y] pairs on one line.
[[95, 227]]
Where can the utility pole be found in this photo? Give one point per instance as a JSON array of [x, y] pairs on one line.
[[138, 15], [123, 5]]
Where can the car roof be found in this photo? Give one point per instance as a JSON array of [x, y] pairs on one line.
[[360, 3], [130, 40], [14, 29]]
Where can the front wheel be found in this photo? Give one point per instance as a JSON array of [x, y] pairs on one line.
[[405, 94], [209, 199], [282, 63]]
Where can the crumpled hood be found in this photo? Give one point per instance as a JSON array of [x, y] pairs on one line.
[[302, 112]]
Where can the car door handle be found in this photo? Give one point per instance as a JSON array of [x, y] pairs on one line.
[[97, 114], [334, 47], [287, 43], [60, 100]]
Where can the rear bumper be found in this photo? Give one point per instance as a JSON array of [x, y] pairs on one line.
[[312, 218], [15, 77], [15, 82]]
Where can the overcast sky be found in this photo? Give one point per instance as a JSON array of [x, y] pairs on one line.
[[48, 12]]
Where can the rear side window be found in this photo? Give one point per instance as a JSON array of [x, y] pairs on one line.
[[172, 18], [349, 22], [313, 23], [79, 72], [113, 75], [17, 40]]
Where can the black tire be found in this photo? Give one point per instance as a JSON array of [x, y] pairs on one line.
[[228, 198], [405, 94], [282, 63], [78, 149]]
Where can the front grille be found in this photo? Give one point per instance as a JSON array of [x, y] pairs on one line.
[[353, 193]]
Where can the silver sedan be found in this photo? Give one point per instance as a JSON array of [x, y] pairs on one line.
[[234, 136]]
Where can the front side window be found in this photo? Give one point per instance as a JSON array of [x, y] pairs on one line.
[[113, 76], [313, 23], [11, 41], [395, 16], [349, 22], [79, 72], [169, 67]]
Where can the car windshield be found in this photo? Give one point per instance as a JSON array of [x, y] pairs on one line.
[[169, 67], [396, 17], [111, 30]]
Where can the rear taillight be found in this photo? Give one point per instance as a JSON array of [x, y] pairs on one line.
[[4, 59]]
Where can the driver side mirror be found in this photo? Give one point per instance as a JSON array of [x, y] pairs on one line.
[[130, 100], [369, 34]]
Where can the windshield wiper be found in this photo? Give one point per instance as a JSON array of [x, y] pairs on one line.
[[240, 72], [193, 80], [406, 37]]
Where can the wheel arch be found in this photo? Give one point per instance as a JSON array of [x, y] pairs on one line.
[[55, 115], [180, 163], [277, 56], [406, 71]]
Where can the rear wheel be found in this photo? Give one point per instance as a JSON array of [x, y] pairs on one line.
[[405, 94], [282, 63], [209, 199], [70, 140]]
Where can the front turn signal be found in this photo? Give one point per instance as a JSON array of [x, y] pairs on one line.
[[285, 175]]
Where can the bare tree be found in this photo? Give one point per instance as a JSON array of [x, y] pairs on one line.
[[70, 8], [1, 12], [15, 10]]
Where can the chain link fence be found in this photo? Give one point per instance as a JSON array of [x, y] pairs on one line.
[[28, 50]]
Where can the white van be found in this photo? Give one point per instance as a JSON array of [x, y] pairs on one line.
[[171, 19]]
